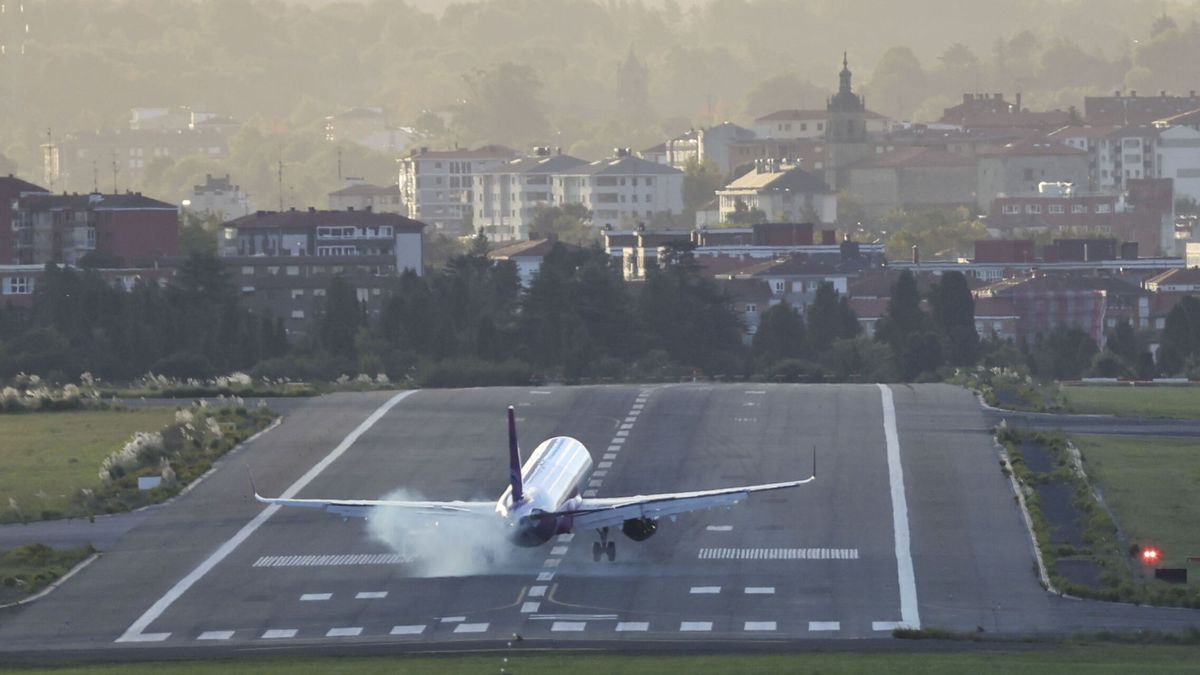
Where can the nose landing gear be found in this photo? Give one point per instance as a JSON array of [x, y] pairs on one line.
[[604, 547]]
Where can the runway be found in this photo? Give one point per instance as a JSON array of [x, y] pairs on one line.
[[910, 522]]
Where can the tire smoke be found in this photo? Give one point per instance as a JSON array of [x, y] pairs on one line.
[[441, 545]]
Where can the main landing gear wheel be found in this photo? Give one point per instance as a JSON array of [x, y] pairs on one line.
[[604, 547]]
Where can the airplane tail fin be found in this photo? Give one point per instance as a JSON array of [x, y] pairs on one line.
[[514, 460]]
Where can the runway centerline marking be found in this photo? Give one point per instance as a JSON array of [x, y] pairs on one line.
[[216, 635], [760, 590], [371, 595], [909, 612], [349, 631], [816, 626], [471, 628], [719, 528], [568, 626], [705, 590], [695, 626], [315, 597], [162, 604], [759, 625], [279, 633], [407, 630], [633, 626]]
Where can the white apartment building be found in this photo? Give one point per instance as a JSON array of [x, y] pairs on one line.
[[505, 198], [218, 197], [360, 195], [1115, 153], [784, 192], [436, 185], [622, 191]]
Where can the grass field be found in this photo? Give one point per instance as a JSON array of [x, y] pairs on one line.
[[1153, 486], [1182, 402], [1102, 658], [28, 569], [47, 457]]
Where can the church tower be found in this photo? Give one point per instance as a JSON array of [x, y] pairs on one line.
[[846, 128]]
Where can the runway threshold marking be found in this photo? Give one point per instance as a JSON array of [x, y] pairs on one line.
[[730, 553], [135, 630], [909, 612], [407, 630], [216, 635], [817, 626], [758, 625]]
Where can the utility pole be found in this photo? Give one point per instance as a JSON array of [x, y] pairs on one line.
[[339, 155], [50, 159], [114, 170], [281, 183], [95, 177]]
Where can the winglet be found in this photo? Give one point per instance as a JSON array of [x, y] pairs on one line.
[[253, 488]]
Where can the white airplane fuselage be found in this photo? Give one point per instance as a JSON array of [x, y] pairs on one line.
[[551, 477]]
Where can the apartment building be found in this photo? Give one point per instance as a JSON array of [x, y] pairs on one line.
[[783, 192], [359, 195], [124, 228], [622, 190], [282, 261], [505, 199], [436, 185]]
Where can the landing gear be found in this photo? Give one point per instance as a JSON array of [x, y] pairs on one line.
[[604, 547]]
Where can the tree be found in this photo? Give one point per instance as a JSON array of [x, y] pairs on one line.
[[1122, 341], [830, 318], [570, 223], [903, 318], [1064, 353], [781, 92], [700, 183], [744, 215], [954, 318], [1181, 335], [340, 317], [503, 105], [898, 82], [780, 334]]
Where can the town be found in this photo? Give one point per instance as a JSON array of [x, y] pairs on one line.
[[1056, 220]]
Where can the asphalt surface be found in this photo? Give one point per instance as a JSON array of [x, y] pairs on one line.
[[814, 565]]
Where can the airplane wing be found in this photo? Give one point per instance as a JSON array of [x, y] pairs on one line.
[[612, 511], [362, 508]]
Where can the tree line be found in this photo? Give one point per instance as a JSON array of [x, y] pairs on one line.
[[472, 323]]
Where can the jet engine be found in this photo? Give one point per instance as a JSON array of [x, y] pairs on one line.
[[535, 530], [639, 529]]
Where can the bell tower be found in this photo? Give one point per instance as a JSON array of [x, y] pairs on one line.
[[846, 128]]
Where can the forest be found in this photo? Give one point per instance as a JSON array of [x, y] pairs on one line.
[[521, 72]]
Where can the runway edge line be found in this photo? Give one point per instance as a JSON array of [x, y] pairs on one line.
[[135, 630], [910, 616]]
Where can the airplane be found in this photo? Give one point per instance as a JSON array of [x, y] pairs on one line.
[[543, 499]]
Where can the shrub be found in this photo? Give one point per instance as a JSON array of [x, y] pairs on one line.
[[474, 373]]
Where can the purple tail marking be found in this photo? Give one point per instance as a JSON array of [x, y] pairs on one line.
[[514, 460]]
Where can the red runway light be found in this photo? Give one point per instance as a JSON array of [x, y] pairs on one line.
[[1151, 556]]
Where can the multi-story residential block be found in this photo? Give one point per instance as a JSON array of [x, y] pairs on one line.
[[783, 192], [85, 161], [125, 228], [992, 112], [622, 190], [1126, 109], [358, 195], [436, 185], [218, 197], [11, 190], [1179, 152], [1019, 167], [715, 143], [505, 198], [368, 126], [283, 261], [18, 282]]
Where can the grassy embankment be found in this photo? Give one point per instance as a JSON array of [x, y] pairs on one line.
[[1067, 660], [1168, 401], [47, 458], [28, 569], [1153, 488]]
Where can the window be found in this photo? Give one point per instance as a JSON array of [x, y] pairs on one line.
[[18, 285], [318, 292], [803, 126], [293, 270], [1011, 209], [1056, 208], [1078, 208], [247, 271], [1104, 208], [1033, 208], [778, 286], [297, 314], [363, 294], [297, 293], [751, 309]]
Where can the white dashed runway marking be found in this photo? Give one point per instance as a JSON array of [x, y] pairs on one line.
[[530, 607], [332, 560], [349, 631], [633, 626], [315, 597], [453, 619], [537, 591], [568, 626], [705, 590], [760, 590], [279, 633], [759, 625], [371, 595], [216, 635], [778, 554], [719, 528], [471, 628], [695, 626], [407, 630], [817, 626]]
